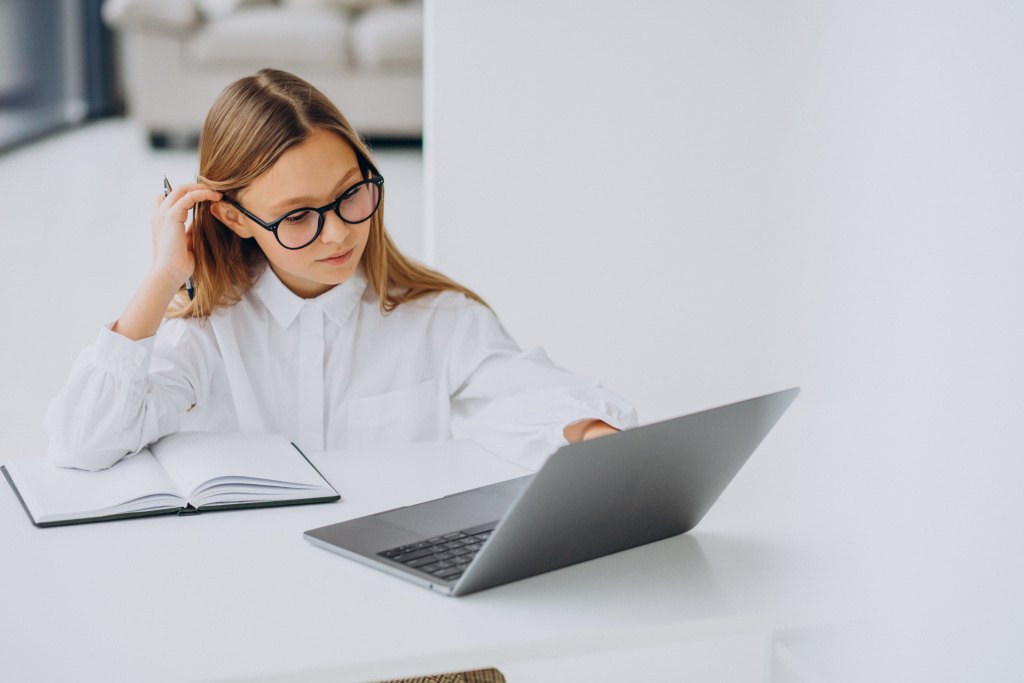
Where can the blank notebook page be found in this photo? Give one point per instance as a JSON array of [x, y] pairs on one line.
[[57, 491], [238, 456]]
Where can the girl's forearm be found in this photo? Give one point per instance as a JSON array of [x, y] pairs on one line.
[[143, 316]]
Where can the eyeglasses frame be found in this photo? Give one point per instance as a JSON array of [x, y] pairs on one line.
[[377, 180]]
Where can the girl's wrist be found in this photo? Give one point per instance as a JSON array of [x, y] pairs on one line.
[[146, 310], [166, 281]]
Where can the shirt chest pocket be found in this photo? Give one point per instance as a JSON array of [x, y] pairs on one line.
[[405, 415]]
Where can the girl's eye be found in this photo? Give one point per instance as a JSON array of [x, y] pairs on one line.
[[296, 217], [351, 193]]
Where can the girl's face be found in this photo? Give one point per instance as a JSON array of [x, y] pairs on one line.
[[313, 173]]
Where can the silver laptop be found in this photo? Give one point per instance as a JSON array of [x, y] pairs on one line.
[[589, 499]]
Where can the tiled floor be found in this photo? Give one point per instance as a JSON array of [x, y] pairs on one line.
[[76, 242]]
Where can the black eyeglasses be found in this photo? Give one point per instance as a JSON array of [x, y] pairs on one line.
[[300, 227]]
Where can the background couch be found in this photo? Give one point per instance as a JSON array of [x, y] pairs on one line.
[[366, 55]]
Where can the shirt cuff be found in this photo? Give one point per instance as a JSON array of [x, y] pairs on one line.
[[120, 356]]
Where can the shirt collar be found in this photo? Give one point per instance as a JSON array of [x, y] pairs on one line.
[[337, 303]]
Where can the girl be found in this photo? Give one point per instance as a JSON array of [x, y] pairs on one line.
[[307, 321]]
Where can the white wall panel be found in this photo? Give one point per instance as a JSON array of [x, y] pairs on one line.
[[633, 188]]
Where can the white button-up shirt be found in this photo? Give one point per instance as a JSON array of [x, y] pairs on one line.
[[328, 373]]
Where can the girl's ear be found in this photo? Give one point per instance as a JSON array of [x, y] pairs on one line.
[[231, 217]]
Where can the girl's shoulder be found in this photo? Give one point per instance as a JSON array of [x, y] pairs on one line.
[[440, 303], [450, 298]]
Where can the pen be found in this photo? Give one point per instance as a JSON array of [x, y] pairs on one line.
[[190, 284]]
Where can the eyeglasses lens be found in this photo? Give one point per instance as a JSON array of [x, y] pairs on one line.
[[359, 203], [298, 229]]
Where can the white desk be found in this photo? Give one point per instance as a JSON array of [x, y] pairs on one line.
[[241, 595]]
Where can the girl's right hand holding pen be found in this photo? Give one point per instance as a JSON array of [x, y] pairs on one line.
[[173, 262], [172, 253]]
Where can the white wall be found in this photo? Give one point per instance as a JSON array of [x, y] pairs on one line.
[[699, 198], [700, 201], [634, 190]]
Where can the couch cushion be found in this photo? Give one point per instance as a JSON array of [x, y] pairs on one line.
[[388, 36], [270, 36], [333, 4], [171, 17], [215, 9]]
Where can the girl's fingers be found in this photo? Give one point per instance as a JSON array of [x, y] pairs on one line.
[[190, 189], [190, 199], [193, 197], [177, 204]]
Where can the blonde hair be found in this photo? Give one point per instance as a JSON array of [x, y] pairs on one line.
[[252, 123]]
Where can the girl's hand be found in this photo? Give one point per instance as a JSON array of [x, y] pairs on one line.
[[586, 430], [172, 252], [173, 262]]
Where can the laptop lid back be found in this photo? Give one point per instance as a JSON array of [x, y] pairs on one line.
[[599, 497]]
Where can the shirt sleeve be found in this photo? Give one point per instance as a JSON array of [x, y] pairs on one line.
[[516, 402], [123, 395]]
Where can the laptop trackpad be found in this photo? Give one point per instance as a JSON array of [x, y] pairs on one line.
[[453, 513]]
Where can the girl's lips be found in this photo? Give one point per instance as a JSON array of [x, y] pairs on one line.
[[339, 260]]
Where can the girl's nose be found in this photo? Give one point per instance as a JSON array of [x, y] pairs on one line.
[[335, 229]]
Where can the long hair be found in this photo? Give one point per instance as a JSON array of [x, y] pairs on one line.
[[252, 123]]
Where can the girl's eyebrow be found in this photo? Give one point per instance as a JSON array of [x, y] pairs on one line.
[[307, 200]]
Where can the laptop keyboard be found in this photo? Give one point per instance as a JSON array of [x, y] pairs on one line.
[[444, 557]]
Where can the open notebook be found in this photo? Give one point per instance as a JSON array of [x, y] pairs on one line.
[[181, 473]]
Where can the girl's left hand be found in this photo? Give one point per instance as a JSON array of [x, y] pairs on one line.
[[587, 429]]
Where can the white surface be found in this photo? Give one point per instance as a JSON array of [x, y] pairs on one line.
[[727, 659], [241, 596], [697, 202]]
